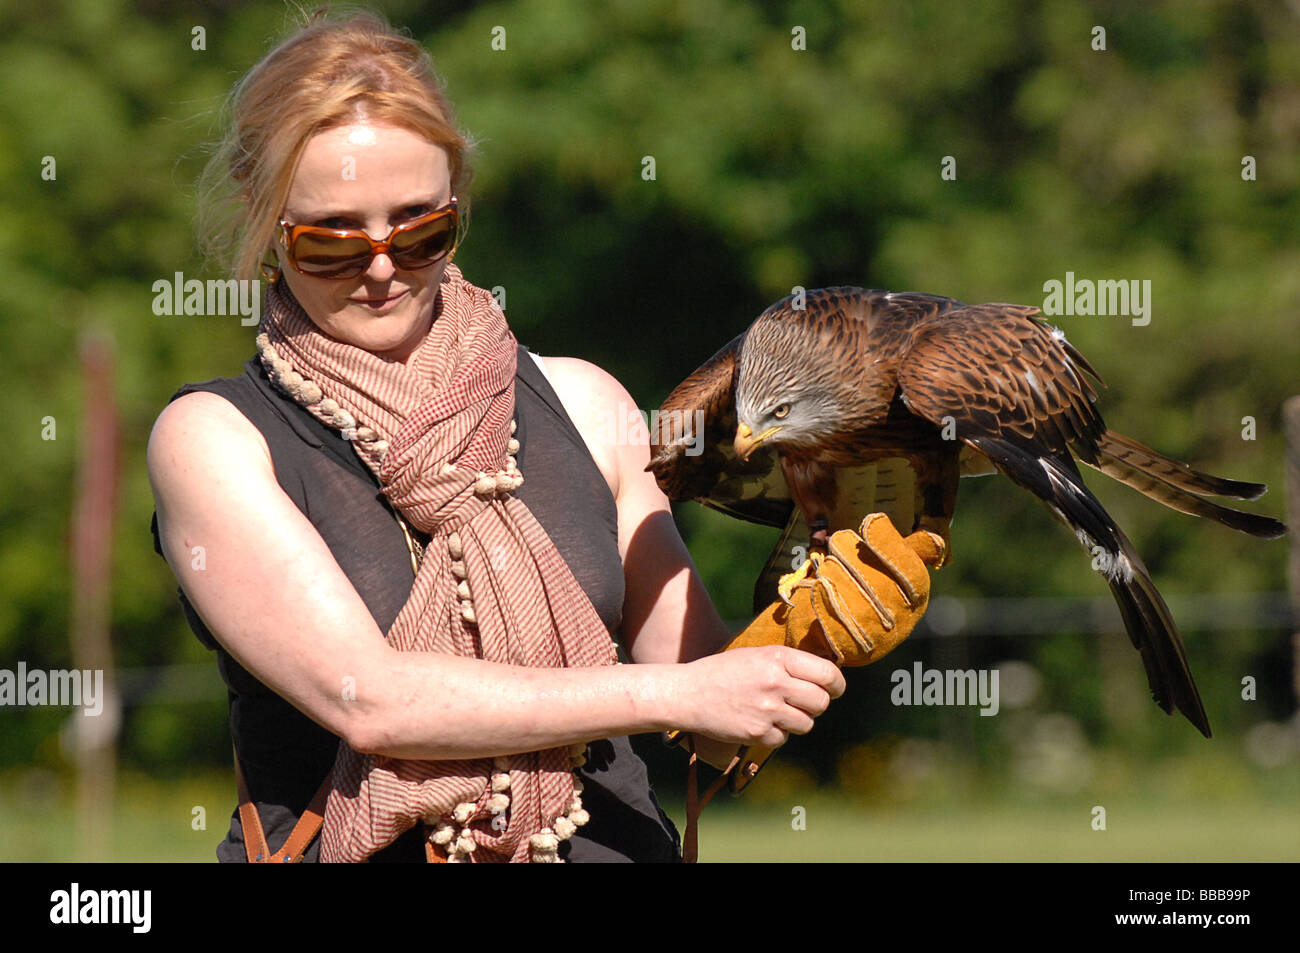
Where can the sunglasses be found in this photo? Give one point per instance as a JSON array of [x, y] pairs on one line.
[[340, 253]]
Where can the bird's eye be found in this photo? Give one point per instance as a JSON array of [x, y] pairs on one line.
[[781, 412]]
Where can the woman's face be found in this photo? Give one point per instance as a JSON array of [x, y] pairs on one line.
[[370, 177]]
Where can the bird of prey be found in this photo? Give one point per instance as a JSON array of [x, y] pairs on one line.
[[844, 401]]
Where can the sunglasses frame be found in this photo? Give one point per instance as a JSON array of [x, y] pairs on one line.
[[290, 233]]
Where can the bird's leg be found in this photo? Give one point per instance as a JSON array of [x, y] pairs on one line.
[[937, 477], [820, 527], [813, 489]]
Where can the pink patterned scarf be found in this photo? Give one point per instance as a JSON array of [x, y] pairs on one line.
[[491, 584]]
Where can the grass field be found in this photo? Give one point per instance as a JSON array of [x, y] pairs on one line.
[[1135, 832], [156, 821]]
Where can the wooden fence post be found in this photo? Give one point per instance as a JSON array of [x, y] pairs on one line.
[[95, 736]]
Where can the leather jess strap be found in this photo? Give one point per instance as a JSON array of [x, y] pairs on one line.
[[303, 833], [695, 802], [300, 837]]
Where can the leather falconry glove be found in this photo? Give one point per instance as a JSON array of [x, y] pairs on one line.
[[852, 606]]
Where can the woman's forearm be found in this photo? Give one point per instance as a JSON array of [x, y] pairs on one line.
[[422, 705]]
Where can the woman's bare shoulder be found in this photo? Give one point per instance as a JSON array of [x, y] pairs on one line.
[[199, 429], [602, 410], [574, 372]]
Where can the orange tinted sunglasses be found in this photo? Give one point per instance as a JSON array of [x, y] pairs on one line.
[[340, 253]]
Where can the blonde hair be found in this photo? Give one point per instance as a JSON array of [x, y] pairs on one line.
[[328, 73]]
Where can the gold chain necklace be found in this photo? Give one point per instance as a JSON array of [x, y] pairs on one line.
[[417, 551]]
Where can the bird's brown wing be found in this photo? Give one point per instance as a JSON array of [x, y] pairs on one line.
[[1016, 391], [691, 452], [997, 363], [997, 370]]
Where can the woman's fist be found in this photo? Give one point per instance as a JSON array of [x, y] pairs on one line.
[[758, 696]]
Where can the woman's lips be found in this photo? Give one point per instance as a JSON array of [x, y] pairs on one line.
[[379, 305]]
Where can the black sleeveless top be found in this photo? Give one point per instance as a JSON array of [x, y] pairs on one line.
[[285, 755]]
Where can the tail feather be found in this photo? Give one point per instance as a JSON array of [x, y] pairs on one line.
[[1176, 498], [1126, 453]]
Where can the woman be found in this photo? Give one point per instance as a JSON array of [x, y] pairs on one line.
[[416, 537]]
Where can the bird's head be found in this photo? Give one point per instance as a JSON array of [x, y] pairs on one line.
[[786, 395]]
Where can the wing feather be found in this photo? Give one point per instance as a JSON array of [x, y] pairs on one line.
[[998, 368]]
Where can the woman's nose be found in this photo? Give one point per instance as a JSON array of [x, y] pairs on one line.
[[381, 268]]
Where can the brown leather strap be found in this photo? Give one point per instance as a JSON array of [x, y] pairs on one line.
[[308, 826], [695, 803], [254, 837]]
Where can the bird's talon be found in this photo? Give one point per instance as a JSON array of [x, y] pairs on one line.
[[942, 528], [790, 581]]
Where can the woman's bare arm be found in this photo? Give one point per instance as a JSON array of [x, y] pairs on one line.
[[667, 613], [273, 595]]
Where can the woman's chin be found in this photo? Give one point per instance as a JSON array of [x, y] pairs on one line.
[[390, 336], [389, 347]]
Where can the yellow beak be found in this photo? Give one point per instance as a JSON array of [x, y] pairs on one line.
[[746, 441]]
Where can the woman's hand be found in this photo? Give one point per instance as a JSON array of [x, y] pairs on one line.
[[756, 696]]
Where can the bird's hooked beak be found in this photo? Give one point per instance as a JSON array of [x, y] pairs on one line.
[[746, 441]]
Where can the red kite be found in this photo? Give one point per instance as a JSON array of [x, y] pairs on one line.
[[868, 400]]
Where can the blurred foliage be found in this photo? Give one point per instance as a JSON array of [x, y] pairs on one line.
[[774, 167]]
